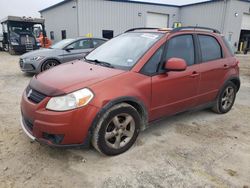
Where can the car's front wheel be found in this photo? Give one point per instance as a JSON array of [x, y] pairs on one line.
[[226, 98], [49, 64], [117, 129]]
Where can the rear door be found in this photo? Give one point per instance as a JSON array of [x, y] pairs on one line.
[[173, 91], [79, 49], [213, 67]]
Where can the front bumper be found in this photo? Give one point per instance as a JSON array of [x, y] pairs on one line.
[[61, 129], [30, 66]]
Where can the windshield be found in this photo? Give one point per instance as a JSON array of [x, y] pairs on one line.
[[62, 44], [125, 50]]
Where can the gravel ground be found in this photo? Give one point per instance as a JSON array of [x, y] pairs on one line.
[[195, 149]]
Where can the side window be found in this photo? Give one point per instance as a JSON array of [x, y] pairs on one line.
[[52, 36], [64, 34], [98, 42], [151, 66], [181, 47], [210, 48], [81, 44]]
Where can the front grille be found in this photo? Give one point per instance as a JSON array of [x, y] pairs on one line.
[[34, 95], [21, 63], [27, 39]]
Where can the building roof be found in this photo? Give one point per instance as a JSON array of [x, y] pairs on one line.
[[140, 2]]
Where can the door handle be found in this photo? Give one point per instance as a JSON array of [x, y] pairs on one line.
[[194, 74]]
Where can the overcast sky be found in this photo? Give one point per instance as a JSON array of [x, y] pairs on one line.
[[31, 7]]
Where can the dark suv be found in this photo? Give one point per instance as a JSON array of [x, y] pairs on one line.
[[127, 83]]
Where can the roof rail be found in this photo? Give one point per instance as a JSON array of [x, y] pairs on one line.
[[140, 28], [194, 28]]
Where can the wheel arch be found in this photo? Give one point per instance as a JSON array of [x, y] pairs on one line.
[[136, 103], [52, 58], [236, 81]]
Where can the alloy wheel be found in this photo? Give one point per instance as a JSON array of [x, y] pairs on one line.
[[227, 98], [120, 131]]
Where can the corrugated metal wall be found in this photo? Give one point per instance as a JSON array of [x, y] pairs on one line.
[[98, 15], [208, 15], [219, 15], [60, 18]]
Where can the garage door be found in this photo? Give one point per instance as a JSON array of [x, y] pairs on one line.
[[157, 20], [246, 22]]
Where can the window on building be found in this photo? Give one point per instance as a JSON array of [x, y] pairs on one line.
[[64, 36], [98, 42], [52, 36], [108, 34], [181, 47], [210, 48]]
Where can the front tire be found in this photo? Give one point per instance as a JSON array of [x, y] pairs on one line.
[[226, 98], [117, 130], [49, 64]]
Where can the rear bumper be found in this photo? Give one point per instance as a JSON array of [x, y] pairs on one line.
[[59, 129]]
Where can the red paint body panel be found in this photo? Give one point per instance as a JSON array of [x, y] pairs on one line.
[[74, 125]]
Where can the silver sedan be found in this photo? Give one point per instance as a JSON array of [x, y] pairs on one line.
[[61, 52]]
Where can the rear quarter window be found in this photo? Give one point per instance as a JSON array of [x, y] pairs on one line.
[[229, 46]]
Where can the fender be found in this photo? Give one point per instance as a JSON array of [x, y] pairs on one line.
[[234, 79], [139, 105]]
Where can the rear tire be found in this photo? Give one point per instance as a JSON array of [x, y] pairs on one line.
[[117, 130], [49, 64], [226, 98]]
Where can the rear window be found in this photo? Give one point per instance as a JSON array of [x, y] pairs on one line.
[[229, 46], [210, 48]]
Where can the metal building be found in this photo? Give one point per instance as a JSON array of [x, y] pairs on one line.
[[108, 18]]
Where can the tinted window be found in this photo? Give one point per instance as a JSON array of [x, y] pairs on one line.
[[210, 48], [81, 44], [181, 47], [152, 65], [98, 42]]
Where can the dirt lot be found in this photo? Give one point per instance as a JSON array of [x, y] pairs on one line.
[[198, 149]]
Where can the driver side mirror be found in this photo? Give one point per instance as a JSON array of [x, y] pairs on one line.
[[175, 64], [69, 48]]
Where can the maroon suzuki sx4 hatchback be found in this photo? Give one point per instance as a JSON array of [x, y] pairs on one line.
[[118, 89]]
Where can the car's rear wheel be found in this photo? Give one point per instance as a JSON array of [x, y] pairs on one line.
[[226, 98], [49, 64], [117, 130]]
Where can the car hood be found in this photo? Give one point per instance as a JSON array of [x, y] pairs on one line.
[[41, 52], [70, 77]]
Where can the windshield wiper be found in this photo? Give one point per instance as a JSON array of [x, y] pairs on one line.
[[96, 61]]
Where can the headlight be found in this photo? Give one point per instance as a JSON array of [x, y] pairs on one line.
[[70, 101], [37, 58]]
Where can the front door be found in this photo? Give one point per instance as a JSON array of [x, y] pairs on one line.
[[78, 50], [173, 92]]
